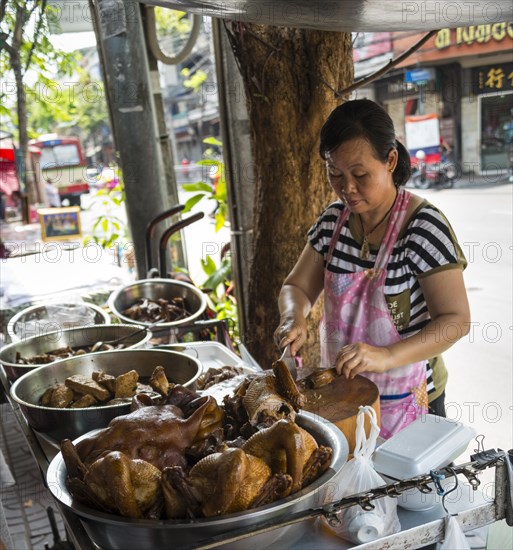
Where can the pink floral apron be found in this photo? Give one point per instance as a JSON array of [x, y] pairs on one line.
[[355, 310]]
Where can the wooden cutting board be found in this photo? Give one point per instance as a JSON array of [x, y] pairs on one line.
[[339, 400]]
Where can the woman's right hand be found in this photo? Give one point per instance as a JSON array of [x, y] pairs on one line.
[[291, 330]]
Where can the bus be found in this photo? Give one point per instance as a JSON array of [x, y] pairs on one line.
[[63, 164]]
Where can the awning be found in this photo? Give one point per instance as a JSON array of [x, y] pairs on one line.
[[350, 15]]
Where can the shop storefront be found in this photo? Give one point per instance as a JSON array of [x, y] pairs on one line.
[[493, 84], [464, 76]]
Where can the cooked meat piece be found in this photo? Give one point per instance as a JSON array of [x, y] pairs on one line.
[[134, 312], [214, 376], [84, 385], [61, 396], [46, 400], [126, 384], [106, 380], [162, 310], [86, 400], [159, 381]]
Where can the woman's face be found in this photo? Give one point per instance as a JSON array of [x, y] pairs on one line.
[[358, 178]]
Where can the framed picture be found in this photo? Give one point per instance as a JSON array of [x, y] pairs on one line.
[[60, 224]]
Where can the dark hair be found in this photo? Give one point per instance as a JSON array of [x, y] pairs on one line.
[[362, 118]]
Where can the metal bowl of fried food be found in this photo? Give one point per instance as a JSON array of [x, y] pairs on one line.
[[20, 357], [69, 423], [110, 531], [168, 302], [37, 320]]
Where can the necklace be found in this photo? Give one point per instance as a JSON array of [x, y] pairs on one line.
[[365, 250]]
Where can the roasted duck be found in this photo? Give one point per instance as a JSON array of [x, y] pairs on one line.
[[173, 461]]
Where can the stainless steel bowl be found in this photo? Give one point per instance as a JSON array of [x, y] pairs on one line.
[[74, 337], [154, 289], [109, 531], [39, 313], [71, 423]]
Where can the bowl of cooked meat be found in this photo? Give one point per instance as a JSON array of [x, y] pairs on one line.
[[135, 484], [38, 319], [72, 396], [167, 302], [20, 357]]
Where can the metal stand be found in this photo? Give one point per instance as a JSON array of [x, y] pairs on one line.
[[419, 529]]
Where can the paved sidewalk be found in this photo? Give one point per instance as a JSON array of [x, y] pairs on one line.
[[24, 503]]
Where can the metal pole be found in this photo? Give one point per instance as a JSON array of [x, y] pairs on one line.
[[168, 154], [238, 161], [121, 41]]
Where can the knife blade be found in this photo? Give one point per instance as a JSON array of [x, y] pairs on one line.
[[287, 358]]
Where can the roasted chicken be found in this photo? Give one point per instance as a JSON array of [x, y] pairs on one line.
[[270, 465], [172, 461], [158, 434]]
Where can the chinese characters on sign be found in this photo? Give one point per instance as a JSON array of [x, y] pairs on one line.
[[493, 78], [475, 33]]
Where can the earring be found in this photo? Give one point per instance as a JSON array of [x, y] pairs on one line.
[[391, 169]]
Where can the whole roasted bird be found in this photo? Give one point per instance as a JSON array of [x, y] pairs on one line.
[[169, 461]]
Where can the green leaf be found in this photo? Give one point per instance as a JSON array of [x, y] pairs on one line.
[[208, 264], [213, 141], [105, 224], [223, 273], [192, 201], [220, 193], [198, 186], [220, 221], [210, 162]]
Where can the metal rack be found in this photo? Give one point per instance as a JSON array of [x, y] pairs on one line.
[[418, 529]]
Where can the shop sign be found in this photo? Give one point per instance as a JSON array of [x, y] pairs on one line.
[[474, 34], [493, 78], [367, 45], [417, 76]]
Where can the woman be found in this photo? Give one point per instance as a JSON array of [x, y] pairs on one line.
[[390, 268]]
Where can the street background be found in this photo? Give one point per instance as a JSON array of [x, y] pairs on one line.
[[480, 387]]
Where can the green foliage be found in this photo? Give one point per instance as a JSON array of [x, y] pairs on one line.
[[79, 104], [108, 229], [172, 23], [36, 56], [194, 80], [215, 192], [219, 282]]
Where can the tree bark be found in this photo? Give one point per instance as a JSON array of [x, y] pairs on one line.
[[289, 76], [14, 51]]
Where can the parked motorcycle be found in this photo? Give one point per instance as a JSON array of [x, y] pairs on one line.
[[425, 176]]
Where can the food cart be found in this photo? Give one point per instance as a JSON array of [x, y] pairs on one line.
[[299, 529]]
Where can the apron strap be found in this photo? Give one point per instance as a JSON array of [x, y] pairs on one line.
[[341, 220], [395, 223]]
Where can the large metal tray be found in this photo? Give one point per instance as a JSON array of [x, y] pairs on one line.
[[212, 355]]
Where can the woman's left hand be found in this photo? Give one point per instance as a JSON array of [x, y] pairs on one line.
[[356, 358]]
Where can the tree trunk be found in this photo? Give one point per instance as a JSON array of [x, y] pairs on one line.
[[14, 51], [287, 75]]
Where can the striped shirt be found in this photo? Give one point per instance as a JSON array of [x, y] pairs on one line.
[[426, 244]]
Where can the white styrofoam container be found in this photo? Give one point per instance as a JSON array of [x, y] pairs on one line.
[[428, 443]]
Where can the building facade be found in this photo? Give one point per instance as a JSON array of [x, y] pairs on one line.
[[464, 76]]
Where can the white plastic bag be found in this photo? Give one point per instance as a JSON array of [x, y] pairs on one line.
[[358, 475], [454, 537]]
